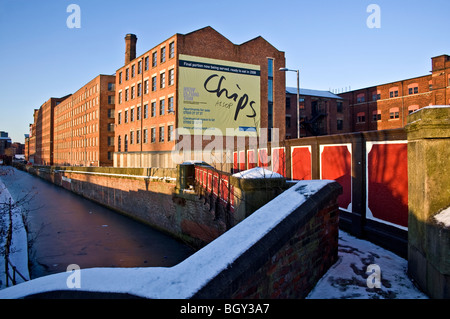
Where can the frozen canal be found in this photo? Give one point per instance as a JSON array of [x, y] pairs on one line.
[[67, 229]]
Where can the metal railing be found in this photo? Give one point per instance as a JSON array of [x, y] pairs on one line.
[[14, 272]]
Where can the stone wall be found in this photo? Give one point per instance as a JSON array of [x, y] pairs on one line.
[[161, 197], [280, 251], [429, 193]]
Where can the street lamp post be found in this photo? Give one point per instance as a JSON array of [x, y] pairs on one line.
[[298, 97]]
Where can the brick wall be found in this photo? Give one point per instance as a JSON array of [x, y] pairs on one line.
[[293, 270]]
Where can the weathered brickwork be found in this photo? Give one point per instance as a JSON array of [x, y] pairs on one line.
[[295, 268], [387, 106]]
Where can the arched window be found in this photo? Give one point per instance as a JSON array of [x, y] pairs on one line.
[[119, 143], [125, 146]]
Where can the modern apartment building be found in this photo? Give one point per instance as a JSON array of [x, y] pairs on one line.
[[84, 125], [386, 106], [199, 78]]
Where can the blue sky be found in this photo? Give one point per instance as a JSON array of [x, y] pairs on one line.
[[329, 41]]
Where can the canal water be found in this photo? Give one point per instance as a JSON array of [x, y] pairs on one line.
[[65, 228]]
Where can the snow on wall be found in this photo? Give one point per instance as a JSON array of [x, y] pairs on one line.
[[185, 279]]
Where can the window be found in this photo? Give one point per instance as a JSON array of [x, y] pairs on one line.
[[288, 103], [288, 121], [146, 63], [361, 117], [119, 118], [110, 140], [127, 74], [412, 108], [163, 54], [131, 137], [394, 113], [111, 86], [171, 76], [153, 135], [170, 109], [360, 98], [110, 156], [376, 116], [171, 50], [110, 99], [270, 98], [162, 105], [126, 95], [126, 116], [393, 92], [339, 106], [119, 143], [111, 127], [154, 83], [133, 70], [154, 58], [376, 96], [110, 113], [161, 134], [120, 77], [138, 113], [340, 125], [120, 97], [139, 89], [132, 92], [153, 109], [125, 146], [138, 137], [145, 136], [413, 90], [170, 134], [140, 67], [132, 115], [162, 80], [145, 111], [146, 87]]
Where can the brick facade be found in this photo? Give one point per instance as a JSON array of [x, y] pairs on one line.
[[321, 113], [387, 106], [84, 125], [139, 142], [43, 126]]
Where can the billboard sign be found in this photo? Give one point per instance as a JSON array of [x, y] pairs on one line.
[[222, 97]]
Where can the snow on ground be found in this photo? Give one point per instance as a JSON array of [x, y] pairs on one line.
[[443, 217], [347, 278], [18, 249]]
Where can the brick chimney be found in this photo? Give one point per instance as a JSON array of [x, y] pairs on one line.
[[130, 47]]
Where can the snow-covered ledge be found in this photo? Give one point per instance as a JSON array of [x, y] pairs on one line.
[[224, 268]]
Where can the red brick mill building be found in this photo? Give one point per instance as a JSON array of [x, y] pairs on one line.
[[157, 92], [386, 106]]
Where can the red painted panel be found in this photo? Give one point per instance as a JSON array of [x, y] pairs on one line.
[[337, 165], [251, 159], [232, 198], [301, 163], [262, 158], [235, 161], [242, 160], [279, 161], [387, 168]]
